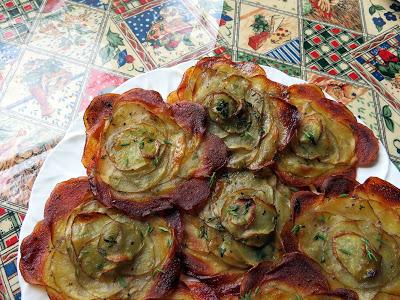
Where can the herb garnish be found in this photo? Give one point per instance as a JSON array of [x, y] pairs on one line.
[[233, 210], [149, 229], [345, 251], [122, 282], [163, 229], [370, 254], [223, 108], [155, 161], [213, 178], [319, 236], [296, 228], [310, 137], [203, 232]]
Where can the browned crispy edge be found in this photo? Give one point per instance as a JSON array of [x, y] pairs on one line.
[[34, 248], [289, 117], [165, 281], [223, 284], [380, 190], [338, 185], [192, 118], [297, 271], [196, 289]]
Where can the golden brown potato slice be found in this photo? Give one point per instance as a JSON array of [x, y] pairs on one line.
[[84, 250], [295, 277], [143, 155], [192, 289], [329, 140], [236, 230], [352, 231], [243, 107]]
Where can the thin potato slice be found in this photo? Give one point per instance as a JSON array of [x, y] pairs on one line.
[[295, 277]]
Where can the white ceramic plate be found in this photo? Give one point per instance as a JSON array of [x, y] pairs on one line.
[[64, 161]]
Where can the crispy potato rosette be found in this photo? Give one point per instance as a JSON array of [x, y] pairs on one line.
[[352, 231], [236, 230], [295, 277], [84, 250], [329, 140], [244, 109], [143, 155]]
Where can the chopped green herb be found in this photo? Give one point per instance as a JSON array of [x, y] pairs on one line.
[[223, 108], [321, 219], [156, 271], [126, 162], [233, 210], [319, 236], [246, 296], [310, 137], [370, 254], [213, 178], [246, 135], [296, 228], [297, 297], [155, 161], [345, 251], [99, 266], [261, 131], [163, 229], [203, 232], [169, 243], [246, 207], [125, 144], [361, 207], [122, 282], [166, 142], [257, 290], [141, 145], [343, 195], [149, 229], [222, 251]]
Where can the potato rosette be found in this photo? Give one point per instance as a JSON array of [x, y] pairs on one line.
[[84, 250], [236, 230], [295, 277], [329, 140], [352, 231], [243, 107], [143, 155]]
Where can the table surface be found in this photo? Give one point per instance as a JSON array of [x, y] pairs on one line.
[[55, 56]]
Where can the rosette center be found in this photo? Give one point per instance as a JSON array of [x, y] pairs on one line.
[[136, 148], [358, 256]]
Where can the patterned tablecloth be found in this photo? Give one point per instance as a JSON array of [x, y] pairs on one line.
[[55, 56]]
